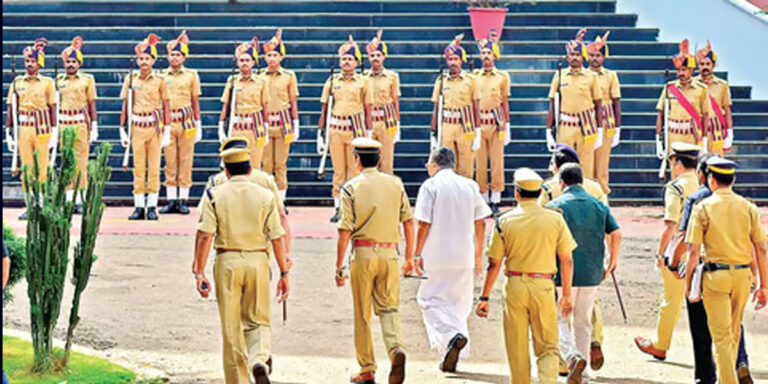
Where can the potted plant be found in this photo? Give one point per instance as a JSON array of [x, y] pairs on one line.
[[486, 15]]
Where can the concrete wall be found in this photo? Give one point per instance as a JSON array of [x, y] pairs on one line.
[[738, 38]]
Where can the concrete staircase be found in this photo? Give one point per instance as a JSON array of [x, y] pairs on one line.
[[416, 32]]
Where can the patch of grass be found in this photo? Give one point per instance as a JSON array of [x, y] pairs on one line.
[[82, 369]]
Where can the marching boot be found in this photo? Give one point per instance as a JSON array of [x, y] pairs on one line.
[[151, 214], [138, 214], [171, 207], [181, 206], [335, 217]]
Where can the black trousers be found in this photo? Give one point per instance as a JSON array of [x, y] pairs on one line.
[[704, 363]]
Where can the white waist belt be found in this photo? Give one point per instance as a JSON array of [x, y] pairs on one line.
[[676, 125], [242, 120], [274, 118], [487, 116], [569, 118], [143, 119], [377, 113], [451, 114], [75, 118], [177, 115], [340, 122], [26, 118]]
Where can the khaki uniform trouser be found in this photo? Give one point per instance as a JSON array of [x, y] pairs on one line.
[[28, 142], [530, 303], [242, 292], [453, 138], [276, 157], [342, 157], [725, 294], [573, 137], [82, 148], [179, 155], [602, 162], [146, 160], [670, 309], [257, 152], [387, 158], [375, 281], [490, 146], [689, 138]]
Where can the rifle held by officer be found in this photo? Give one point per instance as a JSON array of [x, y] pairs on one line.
[[323, 135], [14, 142], [128, 119], [662, 143]]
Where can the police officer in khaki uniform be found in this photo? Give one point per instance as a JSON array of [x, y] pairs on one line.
[[610, 89], [683, 160], [720, 135], [36, 109], [150, 120], [373, 204], [262, 179], [350, 117], [527, 239], [186, 129], [251, 99], [282, 112], [689, 109], [77, 92], [580, 121], [494, 121], [385, 111], [240, 218], [729, 227], [461, 97]]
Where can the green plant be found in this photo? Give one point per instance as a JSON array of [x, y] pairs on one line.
[[99, 173], [48, 224], [18, 254]]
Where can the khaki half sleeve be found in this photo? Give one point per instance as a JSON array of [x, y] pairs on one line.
[[326, 91], [90, 91], [208, 221], [196, 88], [436, 90], [124, 90], [595, 89], [164, 96], [293, 87], [395, 87], [264, 92], [495, 248], [346, 210], [367, 93], [673, 208], [726, 96], [225, 94], [695, 233], [757, 232], [405, 205], [51, 93], [660, 104], [615, 90], [476, 94], [506, 87], [553, 86], [565, 242], [274, 229]]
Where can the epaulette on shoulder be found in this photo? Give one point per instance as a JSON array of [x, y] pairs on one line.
[[674, 185]]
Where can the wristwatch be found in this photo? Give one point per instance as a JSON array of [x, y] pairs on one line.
[[199, 276], [483, 298], [284, 273]]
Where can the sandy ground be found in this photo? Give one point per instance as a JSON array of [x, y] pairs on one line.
[[141, 307]]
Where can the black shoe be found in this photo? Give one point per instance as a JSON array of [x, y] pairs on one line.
[[286, 210], [138, 214], [171, 207], [78, 209], [335, 217], [260, 373], [151, 214], [181, 205], [269, 364], [452, 356], [495, 209], [23, 216]]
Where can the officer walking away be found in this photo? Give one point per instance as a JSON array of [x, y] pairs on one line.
[[373, 204], [527, 240], [240, 218]]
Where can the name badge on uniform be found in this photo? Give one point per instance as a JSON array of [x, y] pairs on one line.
[[446, 88], [63, 86], [238, 89], [336, 87], [563, 85], [136, 87]]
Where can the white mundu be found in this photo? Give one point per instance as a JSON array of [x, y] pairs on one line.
[[451, 204]]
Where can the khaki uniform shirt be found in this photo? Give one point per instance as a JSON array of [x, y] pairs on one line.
[[241, 214], [149, 92], [350, 94], [282, 86], [182, 85], [528, 238], [579, 90], [257, 176], [76, 91], [35, 92], [608, 82], [727, 224], [493, 87], [696, 93], [250, 93], [383, 85], [552, 189], [675, 193], [458, 91], [373, 204], [719, 90]]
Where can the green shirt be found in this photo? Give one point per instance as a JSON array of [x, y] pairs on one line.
[[589, 221]]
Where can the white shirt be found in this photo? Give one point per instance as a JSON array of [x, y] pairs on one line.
[[451, 204]]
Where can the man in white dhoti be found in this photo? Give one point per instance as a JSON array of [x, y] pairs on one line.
[[450, 212]]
